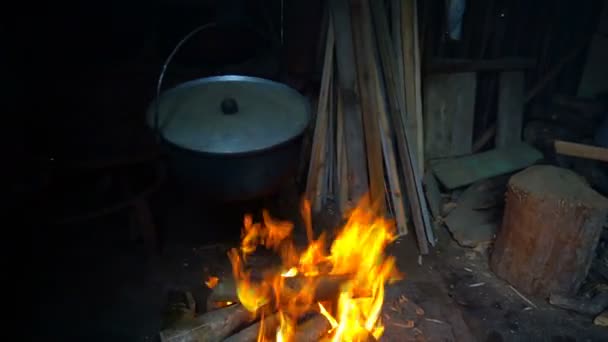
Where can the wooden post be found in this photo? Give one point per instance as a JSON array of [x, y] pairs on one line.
[[551, 226]]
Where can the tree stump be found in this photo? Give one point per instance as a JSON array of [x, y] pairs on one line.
[[551, 226]]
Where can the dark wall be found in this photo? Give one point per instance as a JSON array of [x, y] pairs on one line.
[[78, 76]]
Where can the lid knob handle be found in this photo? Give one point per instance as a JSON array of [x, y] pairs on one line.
[[229, 106]]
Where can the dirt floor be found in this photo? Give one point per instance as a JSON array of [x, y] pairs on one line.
[[98, 285]]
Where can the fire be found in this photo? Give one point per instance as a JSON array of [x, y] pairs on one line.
[[212, 282], [355, 261]]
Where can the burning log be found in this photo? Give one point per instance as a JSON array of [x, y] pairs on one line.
[[327, 287], [209, 327], [317, 327], [224, 291], [250, 334], [313, 329]]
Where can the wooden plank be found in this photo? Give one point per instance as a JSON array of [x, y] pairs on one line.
[[390, 159], [460, 171], [412, 84], [451, 65], [323, 188], [344, 44], [365, 60], [316, 166], [581, 150], [398, 71], [353, 126], [449, 108], [342, 174], [358, 185], [413, 148], [510, 116], [433, 195], [396, 109], [331, 141]]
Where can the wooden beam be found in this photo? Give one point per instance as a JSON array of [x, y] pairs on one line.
[[581, 150], [447, 65]]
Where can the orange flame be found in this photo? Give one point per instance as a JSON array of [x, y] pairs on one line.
[[357, 254], [212, 282]]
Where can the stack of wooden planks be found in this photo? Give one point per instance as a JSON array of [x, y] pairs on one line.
[[368, 131]]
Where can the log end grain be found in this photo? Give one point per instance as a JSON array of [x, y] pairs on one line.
[[551, 225]]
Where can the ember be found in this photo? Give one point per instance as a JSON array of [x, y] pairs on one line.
[[356, 262]]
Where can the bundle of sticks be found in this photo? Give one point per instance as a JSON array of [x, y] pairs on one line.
[[367, 137]]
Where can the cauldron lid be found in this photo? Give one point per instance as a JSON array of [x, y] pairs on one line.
[[230, 114]]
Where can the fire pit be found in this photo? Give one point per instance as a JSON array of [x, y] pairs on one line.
[[320, 291], [282, 284]]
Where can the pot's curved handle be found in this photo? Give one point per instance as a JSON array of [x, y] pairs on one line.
[[159, 84]]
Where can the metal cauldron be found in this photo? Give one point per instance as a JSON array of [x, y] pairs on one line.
[[231, 137]]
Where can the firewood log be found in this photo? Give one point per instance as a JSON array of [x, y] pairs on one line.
[[317, 327], [210, 327], [250, 334], [312, 330], [327, 288]]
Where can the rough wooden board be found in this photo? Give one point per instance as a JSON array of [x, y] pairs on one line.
[[595, 74], [411, 80], [460, 171], [509, 119], [344, 44], [477, 215], [353, 123], [449, 108], [433, 195], [365, 46]]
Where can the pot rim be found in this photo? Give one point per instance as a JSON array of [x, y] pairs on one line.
[[251, 153], [204, 80]]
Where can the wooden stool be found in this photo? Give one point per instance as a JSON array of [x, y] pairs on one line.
[[551, 225]]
